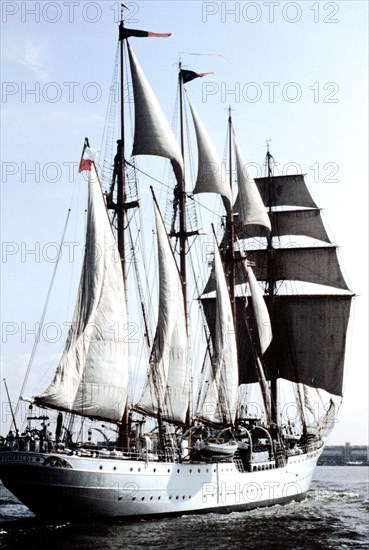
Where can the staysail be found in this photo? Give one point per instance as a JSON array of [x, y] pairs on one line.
[[220, 400], [167, 385], [152, 135], [249, 205], [210, 178], [260, 310], [92, 376]]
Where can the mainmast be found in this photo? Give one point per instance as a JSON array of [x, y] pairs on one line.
[[182, 199], [183, 234]]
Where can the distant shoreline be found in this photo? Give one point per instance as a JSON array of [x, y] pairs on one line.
[[342, 464]]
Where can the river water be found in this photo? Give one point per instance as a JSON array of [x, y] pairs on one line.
[[334, 515]]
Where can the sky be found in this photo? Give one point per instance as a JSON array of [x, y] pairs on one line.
[[295, 73]]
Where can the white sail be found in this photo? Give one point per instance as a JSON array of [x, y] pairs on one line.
[[220, 401], [260, 310], [249, 204], [210, 177], [167, 386], [92, 376], [153, 135]]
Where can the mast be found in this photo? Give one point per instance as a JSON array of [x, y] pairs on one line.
[[119, 163], [182, 199], [230, 254], [119, 171], [271, 283], [182, 220]]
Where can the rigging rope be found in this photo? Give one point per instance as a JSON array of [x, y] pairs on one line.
[[109, 128], [37, 339]]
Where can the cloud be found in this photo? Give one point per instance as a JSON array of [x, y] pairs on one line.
[[35, 59], [31, 55]]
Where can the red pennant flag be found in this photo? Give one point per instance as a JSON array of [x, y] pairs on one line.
[[187, 76]]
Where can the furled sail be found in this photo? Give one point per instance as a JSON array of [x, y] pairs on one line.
[[248, 205], [153, 135], [220, 399], [209, 173], [92, 376], [167, 386]]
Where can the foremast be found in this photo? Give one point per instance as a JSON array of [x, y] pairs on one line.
[[145, 145], [120, 210]]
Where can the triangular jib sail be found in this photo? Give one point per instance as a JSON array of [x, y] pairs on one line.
[[92, 376]]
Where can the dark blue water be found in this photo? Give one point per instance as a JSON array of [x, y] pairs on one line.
[[335, 515]]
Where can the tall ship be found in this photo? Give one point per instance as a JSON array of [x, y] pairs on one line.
[[244, 358]]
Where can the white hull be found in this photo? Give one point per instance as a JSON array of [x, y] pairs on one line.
[[93, 487]]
